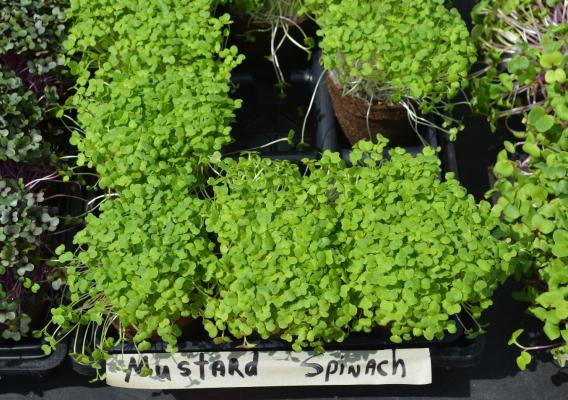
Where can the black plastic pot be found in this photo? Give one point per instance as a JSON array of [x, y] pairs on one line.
[[266, 116]]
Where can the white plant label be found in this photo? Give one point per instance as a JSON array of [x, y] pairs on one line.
[[200, 370]]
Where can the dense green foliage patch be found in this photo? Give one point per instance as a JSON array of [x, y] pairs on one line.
[[34, 29], [525, 48], [20, 135], [31, 32], [152, 95], [144, 260], [155, 123], [152, 101], [383, 243], [533, 200]]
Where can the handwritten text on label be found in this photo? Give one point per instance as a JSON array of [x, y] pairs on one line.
[[277, 368]]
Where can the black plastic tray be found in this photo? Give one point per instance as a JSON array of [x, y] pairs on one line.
[[29, 359], [454, 350], [261, 102]]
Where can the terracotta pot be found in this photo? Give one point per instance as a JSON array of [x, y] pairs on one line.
[[352, 113]]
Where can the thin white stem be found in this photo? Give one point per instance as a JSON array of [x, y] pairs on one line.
[[367, 118], [30, 185], [413, 116], [258, 147], [217, 172], [61, 231], [312, 101], [257, 175], [295, 24], [71, 119], [280, 43], [291, 39], [64, 195], [519, 110], [273, 51], [100, 197]]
